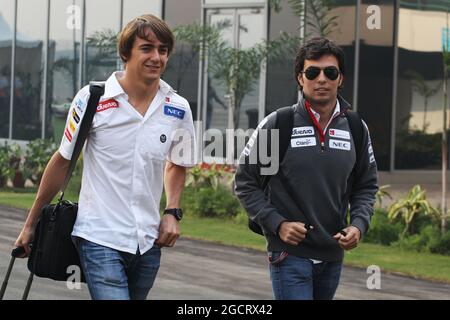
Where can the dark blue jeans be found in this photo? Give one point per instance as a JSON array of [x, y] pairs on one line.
[[115, 275], [296, 278]]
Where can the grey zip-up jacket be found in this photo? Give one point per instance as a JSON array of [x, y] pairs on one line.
[[319, 176]]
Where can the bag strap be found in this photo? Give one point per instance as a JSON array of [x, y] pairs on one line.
[[96, 90], [284, 122], [357, 130]]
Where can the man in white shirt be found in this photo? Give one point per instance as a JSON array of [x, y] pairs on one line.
[[142, 134]]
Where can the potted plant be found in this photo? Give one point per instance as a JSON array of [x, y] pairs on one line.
[[16, 166]]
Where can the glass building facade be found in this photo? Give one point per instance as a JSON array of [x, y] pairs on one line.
[[49, 49]]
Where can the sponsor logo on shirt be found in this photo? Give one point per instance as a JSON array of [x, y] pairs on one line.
[[173, 112], [71, 126], [303, 142], [339, 144], [336, 133], [302, 131], [75, 116], [163, 138], [68, 135], [107, 104], [79, 105], [167, 99]]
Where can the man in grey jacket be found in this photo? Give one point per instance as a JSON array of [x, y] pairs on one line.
[[306, 246]]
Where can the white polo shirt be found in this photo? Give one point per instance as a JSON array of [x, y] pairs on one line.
[[124, 159]]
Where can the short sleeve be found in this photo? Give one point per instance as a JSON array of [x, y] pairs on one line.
[[183, 150], [73, 122]]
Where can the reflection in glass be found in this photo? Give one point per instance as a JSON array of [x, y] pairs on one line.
[[6, 34], [248, 33], [27, 112], [376, 66], [63, 67], [183, 67], [102, 28], [420, 87], [281, 88], [135, 8], [216, 104]]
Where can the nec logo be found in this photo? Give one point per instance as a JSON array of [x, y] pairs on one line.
[[338, 144], [174, 112]]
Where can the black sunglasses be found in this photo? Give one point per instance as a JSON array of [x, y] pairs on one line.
[[330, 72]]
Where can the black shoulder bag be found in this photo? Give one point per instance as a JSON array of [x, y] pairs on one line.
[[52, 251]]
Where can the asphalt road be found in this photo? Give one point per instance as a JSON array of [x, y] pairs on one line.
[[201, 270]]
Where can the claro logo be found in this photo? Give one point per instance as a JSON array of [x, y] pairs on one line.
[[303, 142]]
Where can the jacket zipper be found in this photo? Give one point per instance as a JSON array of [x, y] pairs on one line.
[[317, 125]]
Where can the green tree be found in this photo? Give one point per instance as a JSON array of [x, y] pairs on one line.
[[409, 208], [235, 68], [381, 194], [320, 20]]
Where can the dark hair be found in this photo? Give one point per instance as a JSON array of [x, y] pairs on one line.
[[138, 27], [314, 49]]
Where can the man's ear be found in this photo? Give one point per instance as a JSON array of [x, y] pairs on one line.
[[300, 79], [341, 80]]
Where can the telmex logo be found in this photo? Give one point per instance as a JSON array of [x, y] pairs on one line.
[[105, 105]]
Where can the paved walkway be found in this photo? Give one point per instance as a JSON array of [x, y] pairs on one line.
[[202, 270]]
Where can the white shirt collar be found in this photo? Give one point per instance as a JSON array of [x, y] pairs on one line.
[[337, 110], [114, 89]]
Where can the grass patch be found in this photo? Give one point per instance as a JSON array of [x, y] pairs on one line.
[[221, 231], [389, 259], [24, 198]]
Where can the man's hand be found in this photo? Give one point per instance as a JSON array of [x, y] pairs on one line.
[[169, 231], [26, 236], [292, 232], [350, 241]]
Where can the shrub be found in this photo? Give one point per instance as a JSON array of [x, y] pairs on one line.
[[5, 170], [241, 217], [209, 175], [421, 242], [441, 245], [381, 230], [410, 243], [37, 156], [207, 202]]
